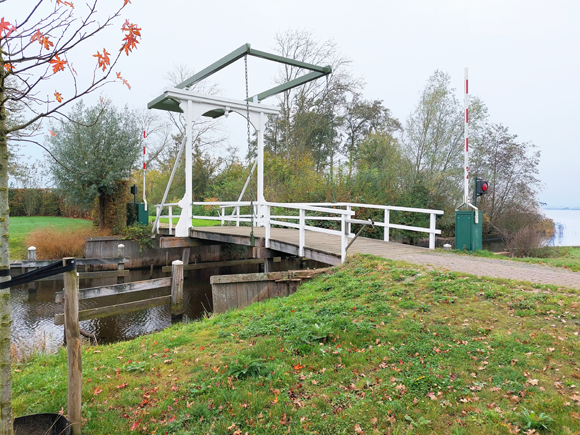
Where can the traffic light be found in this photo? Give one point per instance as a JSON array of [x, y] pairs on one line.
[[481, 187]]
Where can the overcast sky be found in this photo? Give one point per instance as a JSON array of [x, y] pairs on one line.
[[522, 55]]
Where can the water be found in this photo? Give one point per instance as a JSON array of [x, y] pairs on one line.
[[33, 313], [567, 227]]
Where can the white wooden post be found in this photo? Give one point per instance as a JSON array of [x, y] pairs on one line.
[[170, 220], [31, 257], [222, 213], [343, 238], [349, 208], [157, 213], [268, 226], [432, 229], [237, 216], [387, 222], [176, 289], [73, 345], [301, 232]]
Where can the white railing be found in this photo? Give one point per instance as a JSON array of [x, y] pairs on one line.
[[343, 212]]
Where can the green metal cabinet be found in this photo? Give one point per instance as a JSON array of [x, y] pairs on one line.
[[467, 232], [142, 214]]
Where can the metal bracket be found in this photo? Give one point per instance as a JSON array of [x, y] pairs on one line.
[[371, 223]]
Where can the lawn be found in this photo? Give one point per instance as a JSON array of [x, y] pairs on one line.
[[196, 222], [373, 346], [566, 257], [21, 226]]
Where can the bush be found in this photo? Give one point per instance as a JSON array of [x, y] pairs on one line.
[[526, 242], [51, 243]]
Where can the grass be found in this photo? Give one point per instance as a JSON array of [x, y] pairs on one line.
[[374, 347], [565, 257], [21, 227], [196, 222]]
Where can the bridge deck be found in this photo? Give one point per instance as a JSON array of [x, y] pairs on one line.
[[326, 248]]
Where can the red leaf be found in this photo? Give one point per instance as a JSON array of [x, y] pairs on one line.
[[6, 27], [57, 64], [58, 96], [97, 391], [51, 133], [135, 425]]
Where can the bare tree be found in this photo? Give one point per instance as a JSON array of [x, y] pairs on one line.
[[33, 50]]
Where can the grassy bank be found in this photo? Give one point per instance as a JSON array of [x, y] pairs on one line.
[[196, 222], [21, 226], [374, 347], [566, 257]]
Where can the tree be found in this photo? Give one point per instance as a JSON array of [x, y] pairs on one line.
[[361, 119], [94, 149], [511, 167], [33, 50]]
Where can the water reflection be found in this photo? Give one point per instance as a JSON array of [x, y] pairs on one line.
[[33, 313]]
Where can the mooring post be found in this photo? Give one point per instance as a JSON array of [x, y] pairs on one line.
[[31, 257], [121, 265], [73, 345], [176, 290]]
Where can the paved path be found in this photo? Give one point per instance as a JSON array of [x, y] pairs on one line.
[[535, 273]]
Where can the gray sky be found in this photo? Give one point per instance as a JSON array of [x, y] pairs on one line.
[[522, 57]]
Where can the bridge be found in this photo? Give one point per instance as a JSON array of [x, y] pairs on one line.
[[318, 231], [303, 229]]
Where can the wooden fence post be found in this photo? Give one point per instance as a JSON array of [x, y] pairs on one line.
[[176, 290], [73, 345], [121, 265], [31, 257]]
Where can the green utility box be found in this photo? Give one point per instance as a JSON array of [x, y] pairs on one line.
[[136, 214], [143, 216], [467, 232]]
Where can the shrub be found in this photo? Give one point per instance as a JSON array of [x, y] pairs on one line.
[[51, 243], [526, 242]]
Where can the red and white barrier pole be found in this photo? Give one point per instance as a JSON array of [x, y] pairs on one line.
[[144, 169], [466, 134]]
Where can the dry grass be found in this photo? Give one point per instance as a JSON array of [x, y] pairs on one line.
[[54, 243], [21, 350]]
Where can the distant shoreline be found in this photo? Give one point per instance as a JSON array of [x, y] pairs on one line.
[[562, 208]]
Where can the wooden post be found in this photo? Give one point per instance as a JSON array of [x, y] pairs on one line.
[[176, 289], [121, 265], [31, 257], [73, 345]]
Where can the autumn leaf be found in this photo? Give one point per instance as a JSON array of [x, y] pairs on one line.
[[57, 64], [126, 1], [130, 40], [43, 40], [69, 4], [298, 367], [58, 96], [6, 27], [8, 67], [97, 391], [135, 425], [103, 59], [51, 133]]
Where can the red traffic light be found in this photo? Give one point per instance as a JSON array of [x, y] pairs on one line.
[[481, 186]]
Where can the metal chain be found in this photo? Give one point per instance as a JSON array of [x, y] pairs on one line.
[[252, 238]]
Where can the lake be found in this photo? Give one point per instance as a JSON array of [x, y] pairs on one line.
[[567, 227]]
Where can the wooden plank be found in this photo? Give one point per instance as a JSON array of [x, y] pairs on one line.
[[89, 275], [179, 242], [205, 265], [118, 289], [113, 310], [79, 261]]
